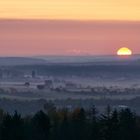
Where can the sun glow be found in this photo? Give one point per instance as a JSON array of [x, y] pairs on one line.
[[124, 52]]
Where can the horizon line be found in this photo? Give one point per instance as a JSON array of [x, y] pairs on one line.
[[96, 55]]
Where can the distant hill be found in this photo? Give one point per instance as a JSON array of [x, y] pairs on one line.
[[8, 61], [70, 60], [108, 59]]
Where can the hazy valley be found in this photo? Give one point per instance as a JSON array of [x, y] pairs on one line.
[[39, 80]]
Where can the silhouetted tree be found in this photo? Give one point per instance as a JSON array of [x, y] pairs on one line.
[[127, 125], [78, 124], [40, 126], [12, 127], [93, 128]]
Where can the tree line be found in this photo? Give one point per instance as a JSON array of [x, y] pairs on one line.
[[64, 124]]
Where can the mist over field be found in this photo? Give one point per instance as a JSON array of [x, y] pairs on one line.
[[72, 81]]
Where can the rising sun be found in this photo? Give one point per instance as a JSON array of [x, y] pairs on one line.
[[124, 52]]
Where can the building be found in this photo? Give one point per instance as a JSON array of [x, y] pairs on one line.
[[48, 84]]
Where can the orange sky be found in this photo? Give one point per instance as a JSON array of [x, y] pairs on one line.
[[42, 27], [71, 9]]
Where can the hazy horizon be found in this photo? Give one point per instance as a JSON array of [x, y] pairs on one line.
[[66, 37]]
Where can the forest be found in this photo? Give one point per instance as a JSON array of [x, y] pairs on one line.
[[77, 124]]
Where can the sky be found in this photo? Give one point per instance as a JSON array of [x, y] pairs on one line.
[[68, 27], [71, 9]]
